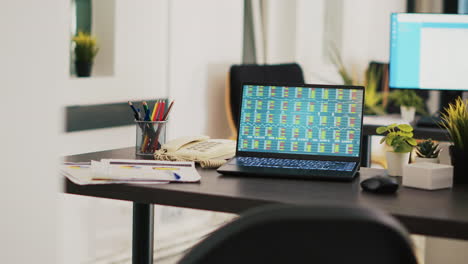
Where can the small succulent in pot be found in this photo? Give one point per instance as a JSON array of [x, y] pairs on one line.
[[427, 149]]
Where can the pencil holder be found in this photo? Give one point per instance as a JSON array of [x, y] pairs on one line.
[[150, 135]]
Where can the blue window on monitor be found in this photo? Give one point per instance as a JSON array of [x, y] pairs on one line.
[[301, 120], [429, 51]]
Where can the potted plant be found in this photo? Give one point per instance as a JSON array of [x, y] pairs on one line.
[[373, 99], [409, 103], [455, 120], [427, 151], [85, 50], [399, 139]]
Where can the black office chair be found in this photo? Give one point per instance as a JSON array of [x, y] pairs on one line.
[[315, 234], [290, 73]]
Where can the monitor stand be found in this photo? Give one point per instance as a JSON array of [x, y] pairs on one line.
[[445, 98], [429, 121]]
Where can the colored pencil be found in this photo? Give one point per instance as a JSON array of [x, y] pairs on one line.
[[158, 131], [155, 109], [135, 112], [161, 112], [147, 111], [168, 110]]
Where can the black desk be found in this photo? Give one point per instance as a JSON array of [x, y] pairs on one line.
[[442, 213]]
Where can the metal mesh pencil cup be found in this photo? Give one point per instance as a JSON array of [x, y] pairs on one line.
[[150, 136]]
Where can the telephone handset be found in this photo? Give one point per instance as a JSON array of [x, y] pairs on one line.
[[209, 152], [176, 144]]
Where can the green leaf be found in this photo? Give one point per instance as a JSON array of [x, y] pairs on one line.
[[389, 140], [382, 140], [405, 134], [381, 130], [403, 148], [412, 141], [396, 140], [405, 127]]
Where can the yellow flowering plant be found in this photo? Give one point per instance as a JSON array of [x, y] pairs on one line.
[[85, 47]]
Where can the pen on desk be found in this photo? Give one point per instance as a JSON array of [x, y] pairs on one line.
[[176, 176]]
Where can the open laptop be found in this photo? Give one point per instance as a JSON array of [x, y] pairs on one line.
[[298, 131]]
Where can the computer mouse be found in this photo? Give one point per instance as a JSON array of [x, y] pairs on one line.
[[380, 184]]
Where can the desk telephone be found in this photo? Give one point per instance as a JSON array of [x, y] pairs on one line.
[[208, 152]]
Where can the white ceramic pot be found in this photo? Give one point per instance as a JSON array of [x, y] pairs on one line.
[[396, 161], [429, 160], [407, 113]]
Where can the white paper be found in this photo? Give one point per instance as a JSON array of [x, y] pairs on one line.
[[174, 171], [129, 171]]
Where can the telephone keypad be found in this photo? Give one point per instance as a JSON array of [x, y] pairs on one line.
[[203, 146]]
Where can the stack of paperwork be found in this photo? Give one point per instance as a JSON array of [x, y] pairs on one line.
[[130, 171]]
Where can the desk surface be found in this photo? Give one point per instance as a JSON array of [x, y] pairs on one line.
[[441, 213]]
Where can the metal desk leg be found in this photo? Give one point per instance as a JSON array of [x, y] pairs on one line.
[[142, 243], [366, 151]]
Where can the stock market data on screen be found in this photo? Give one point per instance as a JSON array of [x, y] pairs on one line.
[[301, 120]]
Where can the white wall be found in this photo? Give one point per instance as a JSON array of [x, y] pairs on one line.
[[280, 30], [140, 72], [205, 39], [31, 76], [103, 25], [310, 47], [366, 31], [296, 30], [196, 47], [197, 41]]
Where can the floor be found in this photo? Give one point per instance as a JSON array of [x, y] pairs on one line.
[[172, 243]]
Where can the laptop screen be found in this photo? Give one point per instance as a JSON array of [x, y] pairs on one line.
[[301, 120]]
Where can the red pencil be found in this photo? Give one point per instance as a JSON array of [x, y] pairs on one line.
[[158, 131], [161, 112]]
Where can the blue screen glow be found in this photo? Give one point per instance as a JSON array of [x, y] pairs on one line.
[[428, 51], [301, 120]]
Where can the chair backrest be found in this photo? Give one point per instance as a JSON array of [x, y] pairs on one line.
[[318, 234], [275, 73]]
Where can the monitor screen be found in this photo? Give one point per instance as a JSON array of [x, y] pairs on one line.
[[301, 120], [429, 51]]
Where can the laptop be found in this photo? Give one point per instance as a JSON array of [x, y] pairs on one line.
[[298, 131]]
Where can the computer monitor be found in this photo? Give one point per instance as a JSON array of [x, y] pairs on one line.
[[429, 51]]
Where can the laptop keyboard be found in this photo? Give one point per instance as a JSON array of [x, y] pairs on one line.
[[296, 164]]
